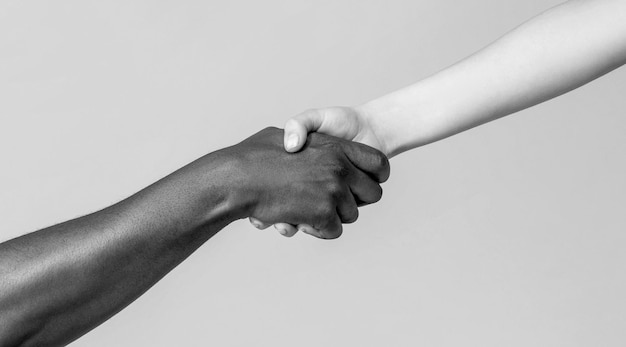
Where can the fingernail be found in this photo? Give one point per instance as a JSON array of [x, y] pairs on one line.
[[292, 141], [282, 231], [256, 224]]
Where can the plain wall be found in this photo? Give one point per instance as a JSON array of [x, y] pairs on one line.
[[511, 234]]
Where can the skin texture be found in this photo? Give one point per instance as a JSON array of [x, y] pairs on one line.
[[551, 54], [60, 282]]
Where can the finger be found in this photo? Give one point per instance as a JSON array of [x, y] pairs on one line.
[[331, 229], [297, 128], [347, 209], [258, 224], [285, 229], [367, 159], [307, 229], [364, 189]]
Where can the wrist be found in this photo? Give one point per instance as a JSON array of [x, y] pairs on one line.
[[408, 118], [203, 196], [226, 186], [384, 117]]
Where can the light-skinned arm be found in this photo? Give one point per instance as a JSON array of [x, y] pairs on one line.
[[553, 53], [58, 283]]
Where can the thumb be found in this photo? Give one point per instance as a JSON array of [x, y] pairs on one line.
[[297, 128]]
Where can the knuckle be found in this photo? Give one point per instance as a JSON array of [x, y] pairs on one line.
[[335, 188], [292, 124], [264, 135], [335, 169], [269, 129], [325, 211], [341, 171]]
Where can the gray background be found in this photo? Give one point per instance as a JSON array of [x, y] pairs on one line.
[[509, 234]]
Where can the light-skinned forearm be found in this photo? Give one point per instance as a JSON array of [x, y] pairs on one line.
[[553, 53]]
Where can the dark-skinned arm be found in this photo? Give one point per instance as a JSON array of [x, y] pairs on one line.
[[58, 283]]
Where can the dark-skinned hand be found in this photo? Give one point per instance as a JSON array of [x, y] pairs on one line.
[[322, 185]]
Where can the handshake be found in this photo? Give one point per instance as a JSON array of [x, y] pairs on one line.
[[314, 189], [106, 259], [313, 176]]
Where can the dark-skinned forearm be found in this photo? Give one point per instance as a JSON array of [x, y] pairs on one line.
[[62, 281]]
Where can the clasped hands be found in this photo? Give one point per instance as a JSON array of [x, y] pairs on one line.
[[314, 182]]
